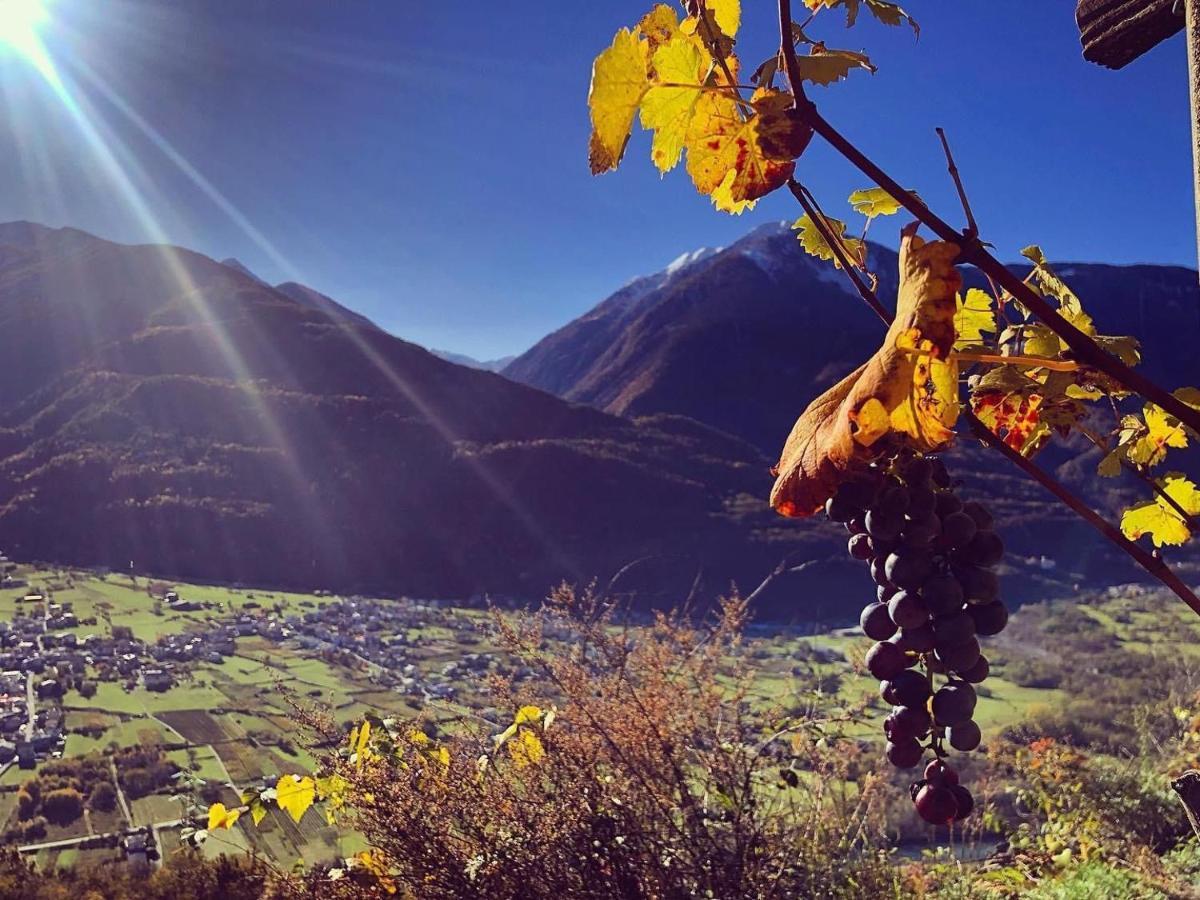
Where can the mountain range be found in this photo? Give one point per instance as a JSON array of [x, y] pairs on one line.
[[164, 410], [743, 338]]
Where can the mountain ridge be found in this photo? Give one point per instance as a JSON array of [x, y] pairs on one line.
[[161, 407]]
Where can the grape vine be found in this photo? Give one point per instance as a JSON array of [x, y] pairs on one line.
[[1033, 363]]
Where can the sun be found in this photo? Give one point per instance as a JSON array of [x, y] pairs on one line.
[[19, 24]]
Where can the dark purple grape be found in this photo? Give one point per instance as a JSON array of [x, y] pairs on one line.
[[883, 526], [921, 531], [937, 805], [916, 472], [908, 568], [985, 549], [964, 801], [942, 594], [955, 628], [839, 510], [946, 504], [959, 529], [881, 548], [979, 585], [916, 640], [857, 491], [907, 723], [876, 623], [959, 656], [976, 673], [906, 754], [859, 547], [922, 501], [939, 774], [953, 704], [980, 514], [935, 665], [885, 660], [938, 473], [990, 618], [891, 500], [885, 592], [856, 526], [908, 688], [965, 736], [908, 610], [879, 571]]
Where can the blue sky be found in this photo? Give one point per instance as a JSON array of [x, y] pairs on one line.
[[425, 163]]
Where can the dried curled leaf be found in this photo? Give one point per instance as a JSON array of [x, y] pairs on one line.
[[910, 387], [825, 66]]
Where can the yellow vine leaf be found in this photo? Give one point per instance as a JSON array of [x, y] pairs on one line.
[[681, 64], [909, 386], [360, 743], [1148, 442], [975, 316], [295, 794], [527, 715], [872, 202], [884, 11], [1158, 518], [734, 158], [658, 26], [824, 66], [332, 791], [728, 15], [527, 750], [220, 817], [814, 242], [619, 81], [254, 801]]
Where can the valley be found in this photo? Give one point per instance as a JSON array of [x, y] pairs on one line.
[[173, 692]]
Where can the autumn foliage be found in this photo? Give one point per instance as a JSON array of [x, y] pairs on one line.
[[633, 765]]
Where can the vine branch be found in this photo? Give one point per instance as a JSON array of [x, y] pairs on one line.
[[971, 249], [1149, 562], [972, 227]]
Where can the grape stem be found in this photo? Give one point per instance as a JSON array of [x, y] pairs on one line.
[[971, 248], [1152, 564]]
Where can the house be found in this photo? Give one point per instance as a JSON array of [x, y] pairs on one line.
[[49, 688], [135, 847], [8, 750], [26, 758], [156, 680]]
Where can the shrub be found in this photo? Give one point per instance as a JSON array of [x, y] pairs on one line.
[[656, 778], [103, 797], [63, 806]]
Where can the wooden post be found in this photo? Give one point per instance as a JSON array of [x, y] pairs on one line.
[[1193, 53]]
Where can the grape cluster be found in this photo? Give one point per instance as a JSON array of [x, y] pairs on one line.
[[933, 560]]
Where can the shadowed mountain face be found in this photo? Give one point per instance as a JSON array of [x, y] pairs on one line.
[[160, 407], [742, 339]]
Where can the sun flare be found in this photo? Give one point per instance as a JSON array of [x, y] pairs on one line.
[[19, 24]]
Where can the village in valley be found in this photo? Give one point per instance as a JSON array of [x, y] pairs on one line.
[[127, 704]]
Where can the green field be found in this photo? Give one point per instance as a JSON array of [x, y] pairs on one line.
[[236, 720]]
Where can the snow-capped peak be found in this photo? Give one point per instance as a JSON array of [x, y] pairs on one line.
[[684, 260]]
